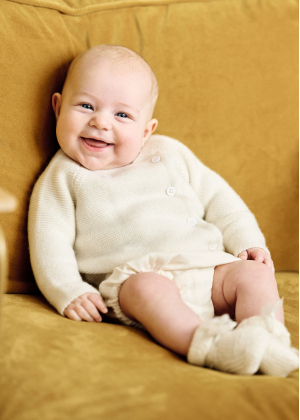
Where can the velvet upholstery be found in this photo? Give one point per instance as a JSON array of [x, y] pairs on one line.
[[228, 77], [227, 72], [54, 368]]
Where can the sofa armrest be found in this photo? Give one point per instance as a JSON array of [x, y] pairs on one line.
[[8, 203]]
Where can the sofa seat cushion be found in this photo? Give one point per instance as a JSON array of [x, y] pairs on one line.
[[55, 368]]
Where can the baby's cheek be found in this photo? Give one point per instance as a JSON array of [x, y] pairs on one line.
[[130, 147]]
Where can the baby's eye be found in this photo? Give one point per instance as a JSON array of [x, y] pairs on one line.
[[86, 106], [122, 115]]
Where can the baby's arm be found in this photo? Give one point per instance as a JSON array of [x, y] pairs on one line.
[[224, 208], [86, 308], [52, 233]]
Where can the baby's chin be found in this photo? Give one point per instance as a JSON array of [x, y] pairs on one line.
[[95, 164]]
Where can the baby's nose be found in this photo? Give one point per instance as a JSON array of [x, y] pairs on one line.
[[101, 122]]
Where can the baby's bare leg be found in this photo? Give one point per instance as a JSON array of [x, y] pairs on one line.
[[155, 302], [243, 288]]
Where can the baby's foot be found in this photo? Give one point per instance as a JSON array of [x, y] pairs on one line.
[[216, 344], [280, 358]]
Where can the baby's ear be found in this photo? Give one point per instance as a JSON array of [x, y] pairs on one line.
[[150, 127], [56, 104]]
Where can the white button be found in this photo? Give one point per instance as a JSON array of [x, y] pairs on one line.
[[192, 221], [171, 191], [156, 159], [213, 246]]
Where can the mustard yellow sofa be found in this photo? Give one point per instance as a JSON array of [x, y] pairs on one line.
[[228, 77]]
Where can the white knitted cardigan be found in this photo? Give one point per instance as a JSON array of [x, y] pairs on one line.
[[83, 223]]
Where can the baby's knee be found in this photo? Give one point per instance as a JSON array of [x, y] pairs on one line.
[[258, 274], [261, 270], [148, 285]]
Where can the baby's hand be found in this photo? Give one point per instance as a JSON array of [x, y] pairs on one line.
[[86, 308], [257, 254]]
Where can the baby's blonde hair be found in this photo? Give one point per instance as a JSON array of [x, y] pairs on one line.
[[119, 55]]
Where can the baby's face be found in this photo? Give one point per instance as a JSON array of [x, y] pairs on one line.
[[103, 115]]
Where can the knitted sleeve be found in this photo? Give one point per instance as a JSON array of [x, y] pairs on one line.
[[223, 207], [51, 229]]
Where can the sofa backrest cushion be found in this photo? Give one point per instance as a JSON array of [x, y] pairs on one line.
[[227, 72]]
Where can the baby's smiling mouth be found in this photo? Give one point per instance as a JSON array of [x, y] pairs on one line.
[[94, 143]]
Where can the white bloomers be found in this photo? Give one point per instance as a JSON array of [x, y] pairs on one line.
[[192, 272]]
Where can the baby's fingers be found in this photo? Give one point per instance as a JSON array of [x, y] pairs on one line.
[[258, 255], [71, 314], [268, 261], [91, 310], [262, 256], [98, 302], [77, 313], [243, 255], [86, 308]]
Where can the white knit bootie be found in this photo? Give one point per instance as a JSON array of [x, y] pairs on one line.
[[280, 358], [216, 344]]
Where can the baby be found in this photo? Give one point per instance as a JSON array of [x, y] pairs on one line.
[[134, 226]]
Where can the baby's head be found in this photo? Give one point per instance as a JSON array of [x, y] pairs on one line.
[[104, 114]]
